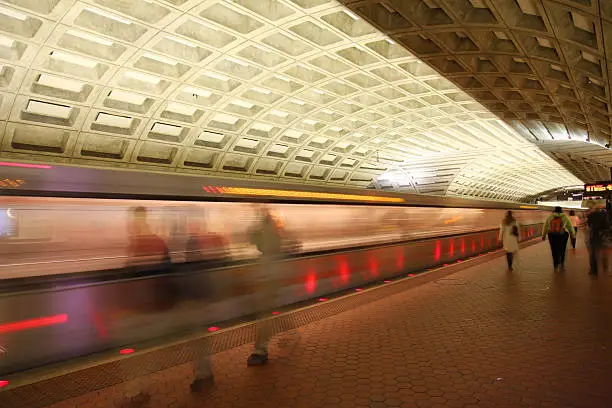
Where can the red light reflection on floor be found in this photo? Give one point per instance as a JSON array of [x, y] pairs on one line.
[[25, 165], [275, 313], [358, 290], [387, 281], [126, 351], [411, 275], [33, 323], [4, 383], [323, 299], [213, 329], [311, 282], [438, 251]]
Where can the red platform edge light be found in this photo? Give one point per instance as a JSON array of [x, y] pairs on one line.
[[358, 290], [275, 313], [25, 165], [4, 383], [323, 299], [387, 281], [126, 351], [213, 329], [33, 323]]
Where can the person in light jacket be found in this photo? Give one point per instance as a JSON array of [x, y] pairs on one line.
[[509, 235]]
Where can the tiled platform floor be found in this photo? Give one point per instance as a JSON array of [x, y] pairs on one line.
[[478, 338]]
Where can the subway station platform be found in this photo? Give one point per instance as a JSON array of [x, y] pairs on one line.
[[468, 335]]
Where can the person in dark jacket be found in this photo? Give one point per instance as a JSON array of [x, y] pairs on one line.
[[598, 225], [558, 228]]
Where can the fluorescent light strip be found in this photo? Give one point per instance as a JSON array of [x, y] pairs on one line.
[[13, 14], [197, 91], [216, 76], [351, 15], [6, 42], [160, 58], [105, 14], [74, 59], [89, 37], [139, 76], [181, 41]]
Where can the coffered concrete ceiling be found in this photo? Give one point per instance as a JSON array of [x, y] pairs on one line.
[[404, 94]]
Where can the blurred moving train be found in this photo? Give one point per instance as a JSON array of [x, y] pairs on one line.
[[67, 234]]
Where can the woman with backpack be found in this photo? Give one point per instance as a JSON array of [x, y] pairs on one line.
[[509, 235], [558, 228]]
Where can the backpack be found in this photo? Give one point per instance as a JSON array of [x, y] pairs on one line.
[[556, 225], [515, 231]]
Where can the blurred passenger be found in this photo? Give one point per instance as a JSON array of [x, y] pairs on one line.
[[147, 252], [267, 237], [558, 227], [509, 235], [598, 238], [145, 247], [575, 223], [204, 247]]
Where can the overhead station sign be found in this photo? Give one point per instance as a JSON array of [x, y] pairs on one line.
[[600, 189]]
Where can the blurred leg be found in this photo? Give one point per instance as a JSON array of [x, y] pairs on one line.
[[593, 257], [202, 369], [509, 256], [265, 301], [553, 249], [603, 256], [563, 249]]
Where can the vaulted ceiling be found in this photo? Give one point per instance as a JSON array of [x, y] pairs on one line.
[[455, 97]]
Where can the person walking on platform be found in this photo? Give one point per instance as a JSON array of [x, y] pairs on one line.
[[558, 227], [267, 237], [575, 223], [509, 235], [598, 237]]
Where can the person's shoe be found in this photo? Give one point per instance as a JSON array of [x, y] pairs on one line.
[[201, 384], [257, 359], [136, 401]]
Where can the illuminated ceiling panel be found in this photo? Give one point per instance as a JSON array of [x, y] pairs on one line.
[[292, 90]]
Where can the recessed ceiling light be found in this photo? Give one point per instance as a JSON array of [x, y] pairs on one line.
[[89, 37], [13, 14], [108, 15], [143, 77], [351, 14], [216, 76]]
